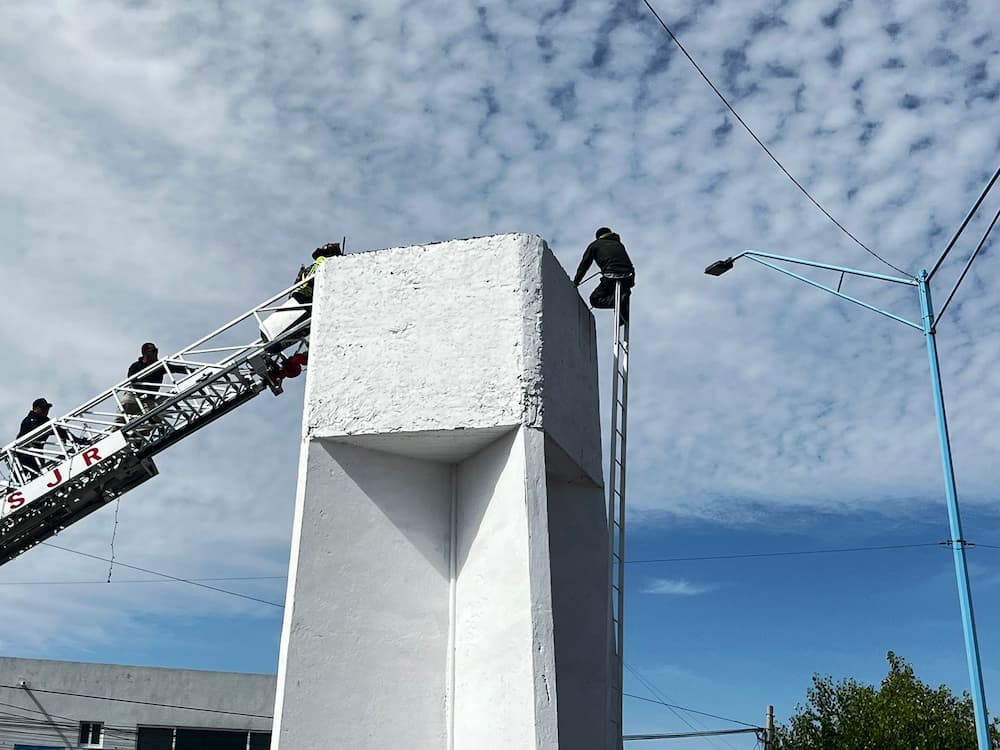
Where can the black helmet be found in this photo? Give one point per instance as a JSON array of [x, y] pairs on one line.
[[329, 250], [601, 232]]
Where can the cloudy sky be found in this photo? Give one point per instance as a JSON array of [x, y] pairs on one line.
[[168, 165]]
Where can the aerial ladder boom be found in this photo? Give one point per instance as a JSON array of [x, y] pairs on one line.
[[70, 467]]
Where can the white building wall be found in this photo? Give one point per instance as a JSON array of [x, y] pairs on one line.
[[57, 695], [431, 599]]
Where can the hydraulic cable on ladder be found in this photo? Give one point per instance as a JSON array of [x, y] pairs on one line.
[[69, 467], [616, 512]]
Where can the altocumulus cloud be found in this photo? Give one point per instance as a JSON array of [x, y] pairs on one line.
[[167, 166]]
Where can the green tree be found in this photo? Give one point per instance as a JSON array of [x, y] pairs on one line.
[[903, 713]]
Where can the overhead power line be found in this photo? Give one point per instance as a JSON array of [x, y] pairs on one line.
[[652, 688], [972, 212], [685, 735], [165, 575], [739, 556], [137, 702], [968, 265], [138, 580], [761, 143], [682, 708]]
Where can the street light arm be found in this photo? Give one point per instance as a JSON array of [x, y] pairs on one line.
[[755, 254], [756, 257]]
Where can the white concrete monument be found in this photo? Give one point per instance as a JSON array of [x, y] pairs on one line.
[[448, 587]]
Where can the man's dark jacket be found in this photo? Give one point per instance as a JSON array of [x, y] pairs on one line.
[[609, 254], [30, 422], [33, 420]]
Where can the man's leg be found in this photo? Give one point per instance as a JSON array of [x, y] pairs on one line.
[[29, 464], [603, 296], [130, 408]]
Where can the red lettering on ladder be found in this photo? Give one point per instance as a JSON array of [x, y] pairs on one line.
[[90, 457], [56, 478], [15, 500]]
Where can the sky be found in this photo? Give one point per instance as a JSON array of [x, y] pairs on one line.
[[167, 166]]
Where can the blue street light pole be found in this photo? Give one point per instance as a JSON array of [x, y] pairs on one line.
[[957, 541]]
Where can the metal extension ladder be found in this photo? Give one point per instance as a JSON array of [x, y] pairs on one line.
[[616, 514], [69, 467]]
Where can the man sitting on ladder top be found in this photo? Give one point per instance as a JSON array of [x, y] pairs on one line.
[[611, 257]]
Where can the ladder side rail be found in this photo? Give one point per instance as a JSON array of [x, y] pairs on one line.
[[622, 475], [215, 379], [172, 417], [616, 688], [124, 385], [237, 379], [13, 474]]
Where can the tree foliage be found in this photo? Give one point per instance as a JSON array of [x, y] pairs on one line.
[[903, 713]]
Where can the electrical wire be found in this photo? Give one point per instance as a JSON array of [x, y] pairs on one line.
[[138, 702], [673, 707], [782, 554], [689, 710], [967, 267], [114, 533], [138, 580], [982, 197], [763, 146], [169, 577]]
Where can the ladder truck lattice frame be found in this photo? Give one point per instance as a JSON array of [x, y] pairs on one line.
[[71, 466]]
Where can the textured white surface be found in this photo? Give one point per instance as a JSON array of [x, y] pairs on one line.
[[453, 336], [503, 601], [427, 337], [430, 388], [367, 637]]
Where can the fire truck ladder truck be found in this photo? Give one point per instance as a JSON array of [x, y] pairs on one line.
[[69, 467], [616, 513]]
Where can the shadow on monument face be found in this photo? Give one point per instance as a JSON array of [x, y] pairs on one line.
[[415, 495]]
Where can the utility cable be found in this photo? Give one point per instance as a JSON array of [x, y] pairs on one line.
[[763, 146], [137, 702], [967, 267], [114, 533], [982, 197], [689, 710], [672, 707], [782, 554], [165, 575], [138, 580]]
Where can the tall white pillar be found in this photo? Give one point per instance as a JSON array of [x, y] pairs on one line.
[[448, 581]]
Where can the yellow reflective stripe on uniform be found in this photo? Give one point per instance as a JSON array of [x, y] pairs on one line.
[[306, 289]]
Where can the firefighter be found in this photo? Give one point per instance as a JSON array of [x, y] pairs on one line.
[[304, 293], [150, 381], [38, 416]]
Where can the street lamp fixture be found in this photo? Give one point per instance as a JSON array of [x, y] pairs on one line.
[[720, 267]]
